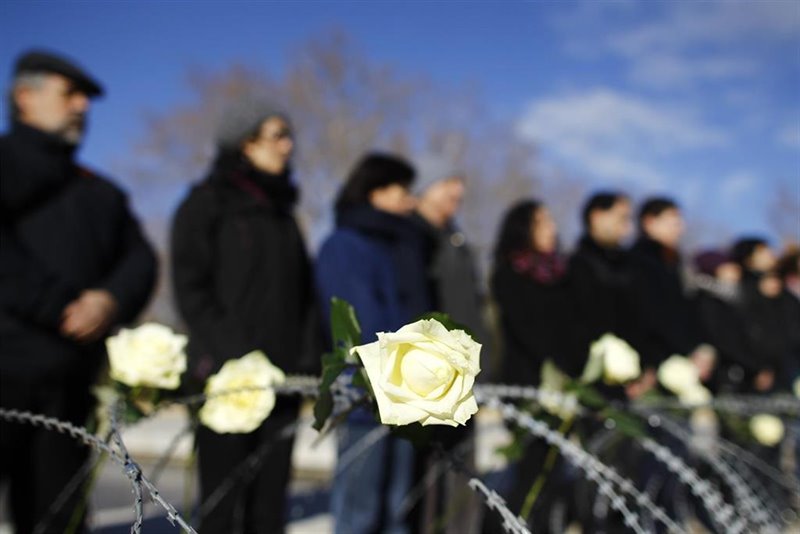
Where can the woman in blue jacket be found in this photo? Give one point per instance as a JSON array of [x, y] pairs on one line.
[[375, 260]]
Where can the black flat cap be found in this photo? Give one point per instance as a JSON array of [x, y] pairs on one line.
[[43, 61]]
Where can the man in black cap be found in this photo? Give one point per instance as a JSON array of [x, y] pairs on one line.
[[73, 264]]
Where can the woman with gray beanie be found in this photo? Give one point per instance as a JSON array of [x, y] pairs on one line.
[[242, 282]]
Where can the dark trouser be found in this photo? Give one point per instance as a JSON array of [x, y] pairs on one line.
[[251, 498], [38, 463]]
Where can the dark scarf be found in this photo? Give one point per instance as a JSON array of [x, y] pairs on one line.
[[651, 248], [547, 268], [275, 190], [45, 160], [379, 224]]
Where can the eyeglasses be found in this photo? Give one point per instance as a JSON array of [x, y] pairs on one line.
[[279, 135]]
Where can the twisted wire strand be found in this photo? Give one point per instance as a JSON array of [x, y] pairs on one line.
[[589, 464], [721, 512], [749, 500], [246, 469], [583, 460]]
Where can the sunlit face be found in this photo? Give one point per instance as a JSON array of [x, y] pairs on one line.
[[762, 259], [729, 272], [666, 228], [544, 231], [56, 106], [272, 149], [612, 226], [393, 198], [446, 196]]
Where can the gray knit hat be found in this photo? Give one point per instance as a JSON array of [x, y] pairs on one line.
[[241, 120], [433, 168]]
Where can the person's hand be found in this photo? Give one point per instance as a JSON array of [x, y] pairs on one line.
[[704, 358], [89, 316], [764, 380], [645, 383]]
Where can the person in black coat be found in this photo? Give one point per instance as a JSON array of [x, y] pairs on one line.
[[771, 313], [74, 264], [722, 323], [668, 316], [242, 282], [602, 283], [528, 286]]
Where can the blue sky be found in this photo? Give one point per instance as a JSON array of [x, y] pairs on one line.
[[697, 99]]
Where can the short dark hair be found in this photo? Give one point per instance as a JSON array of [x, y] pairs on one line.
[[373, 171], [743, 248], [655, 206], [515, 230], [603, 201]]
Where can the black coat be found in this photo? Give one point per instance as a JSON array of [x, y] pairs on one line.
[[773, 329], [602, 291], [240, 270], [668, 317], [533, 319], [64, 229], [723, 326]]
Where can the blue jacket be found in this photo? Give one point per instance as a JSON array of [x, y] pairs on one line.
[[376, 261]]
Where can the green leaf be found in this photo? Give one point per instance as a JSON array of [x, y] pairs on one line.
[[588, 396], [332, 366], [360, 380], [628, 424], [447, 322], [344, 325]]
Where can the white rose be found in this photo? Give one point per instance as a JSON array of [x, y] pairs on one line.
[[241, 411], [695, 396], [151, 355], [423, 373], [551, 387], [678, 374], [767, 429], [612, 358]]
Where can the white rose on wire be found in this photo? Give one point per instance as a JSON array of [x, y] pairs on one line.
[[551, 388], [240, 395], [151, 355], [423, 373], [613, 359], [695, 396], [678, 374], [767, 429]]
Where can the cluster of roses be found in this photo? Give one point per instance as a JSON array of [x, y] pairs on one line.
[[423, 373]]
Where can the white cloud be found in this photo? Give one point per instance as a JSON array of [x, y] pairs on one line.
[[789, 135], [682, 42], [615, 136], [673, 71], [735, 185]]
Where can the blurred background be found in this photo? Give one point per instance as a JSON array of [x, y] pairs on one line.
[[700, 101]]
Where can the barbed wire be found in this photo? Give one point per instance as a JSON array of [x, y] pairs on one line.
[[511, 523], [721, 512], [131, 470], [748, 501], [345, 396], [594, 469]]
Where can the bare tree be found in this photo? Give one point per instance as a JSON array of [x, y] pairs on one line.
[[784, 213]]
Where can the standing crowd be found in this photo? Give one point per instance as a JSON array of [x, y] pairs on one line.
[[75, 265]]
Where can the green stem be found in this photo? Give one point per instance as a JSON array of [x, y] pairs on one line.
[[538, 484]]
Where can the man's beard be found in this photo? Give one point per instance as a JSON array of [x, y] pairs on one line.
[[74, 130]]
